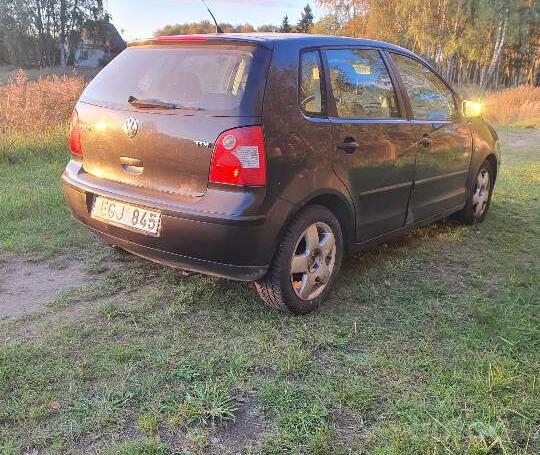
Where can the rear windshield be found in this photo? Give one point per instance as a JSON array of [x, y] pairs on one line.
[[215, 78]]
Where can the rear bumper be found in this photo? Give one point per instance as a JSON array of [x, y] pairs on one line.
[[229, 246], [233, 272]]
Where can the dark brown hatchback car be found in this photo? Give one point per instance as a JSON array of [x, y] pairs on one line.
[[269, 157]]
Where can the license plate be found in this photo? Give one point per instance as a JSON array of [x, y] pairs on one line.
[[127, 215]]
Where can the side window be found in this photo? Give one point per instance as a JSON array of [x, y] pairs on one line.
[[310, 93], [429, 96], [361, 84]]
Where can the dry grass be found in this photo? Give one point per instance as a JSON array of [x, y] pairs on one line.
[[30, 107], [516, 107], [8, 72], [519, 106]]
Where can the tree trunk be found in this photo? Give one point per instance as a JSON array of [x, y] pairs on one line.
[[63, 16], [499, 45]]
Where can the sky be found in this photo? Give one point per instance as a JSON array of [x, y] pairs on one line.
[[141, 18]]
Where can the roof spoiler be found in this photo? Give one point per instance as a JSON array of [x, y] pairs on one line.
[[210, 38]]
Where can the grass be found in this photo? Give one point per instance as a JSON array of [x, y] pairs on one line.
[[516, 107], [430, 344], [9, 72], [32, 216]]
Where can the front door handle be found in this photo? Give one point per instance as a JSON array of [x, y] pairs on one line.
[[349, 145]]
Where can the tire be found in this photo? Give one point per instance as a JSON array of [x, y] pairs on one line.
[[479, 197], [308, 238]]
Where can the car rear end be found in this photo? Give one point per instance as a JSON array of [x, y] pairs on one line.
[[168, 155]]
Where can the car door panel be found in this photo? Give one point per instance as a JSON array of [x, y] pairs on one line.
[[379, 173], [442, 167], [373, 148], [444, 139]]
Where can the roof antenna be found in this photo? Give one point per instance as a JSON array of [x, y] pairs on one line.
[[218, 28]]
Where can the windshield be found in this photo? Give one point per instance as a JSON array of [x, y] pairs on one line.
[[209, 78]]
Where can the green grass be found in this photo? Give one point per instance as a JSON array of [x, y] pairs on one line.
[[430, 344], [33, 218]]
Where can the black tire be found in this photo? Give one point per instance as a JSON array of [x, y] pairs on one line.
[[276, 288], [470, 213]]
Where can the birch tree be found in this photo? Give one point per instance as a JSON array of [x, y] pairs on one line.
[[484, 42]]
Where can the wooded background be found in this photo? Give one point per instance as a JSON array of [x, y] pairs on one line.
[[489, 43], [45, 32]]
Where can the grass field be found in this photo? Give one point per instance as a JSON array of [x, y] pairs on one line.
[[429, 345]]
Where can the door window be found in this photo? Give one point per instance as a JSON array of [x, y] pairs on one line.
[[310, 83], [361, 84], [430, 98]]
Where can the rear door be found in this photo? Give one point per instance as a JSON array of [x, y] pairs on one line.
[[193, 92], [443, 136], [373, 146]]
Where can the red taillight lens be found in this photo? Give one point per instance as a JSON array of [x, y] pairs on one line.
[[239, 157], [75, 135]]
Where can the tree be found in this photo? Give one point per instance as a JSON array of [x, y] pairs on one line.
[[285, 26], [499, 45], [306, 21], [45, 32], [483, 42], [268, 28]]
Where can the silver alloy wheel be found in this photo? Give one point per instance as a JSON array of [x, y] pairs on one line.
[[313, 261], [481, 193]]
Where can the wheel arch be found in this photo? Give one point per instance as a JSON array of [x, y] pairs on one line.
[[340, 207], [494, 164]]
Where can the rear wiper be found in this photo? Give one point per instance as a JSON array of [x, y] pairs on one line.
[[157, 104]]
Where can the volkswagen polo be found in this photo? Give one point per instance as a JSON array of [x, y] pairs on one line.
[[269, 157]]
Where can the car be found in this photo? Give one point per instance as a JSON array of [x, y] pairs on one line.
[[271, 157]]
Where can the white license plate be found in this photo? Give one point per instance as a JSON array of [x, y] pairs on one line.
[[127, 215]]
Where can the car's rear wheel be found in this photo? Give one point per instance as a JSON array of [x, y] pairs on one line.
[[477, 205], [306, 263]]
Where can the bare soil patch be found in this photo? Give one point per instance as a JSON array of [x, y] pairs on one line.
[[26, 286]]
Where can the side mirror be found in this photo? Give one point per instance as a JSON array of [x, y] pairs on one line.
[[471, 109]]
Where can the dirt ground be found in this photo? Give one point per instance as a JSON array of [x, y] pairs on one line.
[[26, 286]]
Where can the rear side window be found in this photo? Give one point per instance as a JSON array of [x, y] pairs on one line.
[[430, 98], [311, 100], [361, 84], [210, 78]]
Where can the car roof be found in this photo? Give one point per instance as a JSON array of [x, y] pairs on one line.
[[269, 39]]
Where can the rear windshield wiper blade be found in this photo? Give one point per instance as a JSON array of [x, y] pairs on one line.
[[157, 104]]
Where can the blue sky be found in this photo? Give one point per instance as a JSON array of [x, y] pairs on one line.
[[140, 18]]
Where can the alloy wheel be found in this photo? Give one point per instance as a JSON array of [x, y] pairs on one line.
[[313, 261], [481, 193]]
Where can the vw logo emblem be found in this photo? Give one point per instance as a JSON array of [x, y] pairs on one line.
[[131, 127]]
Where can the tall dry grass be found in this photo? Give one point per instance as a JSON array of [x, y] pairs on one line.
[[36, 107], [517, 107], [34, 114]]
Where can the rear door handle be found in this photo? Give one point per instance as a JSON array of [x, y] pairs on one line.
[[349, 145], [425, 142]]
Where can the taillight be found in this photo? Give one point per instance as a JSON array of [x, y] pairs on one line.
[[239, 157], [75, 135]]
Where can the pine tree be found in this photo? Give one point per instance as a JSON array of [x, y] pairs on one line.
[[306, 21], [285, 26]]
